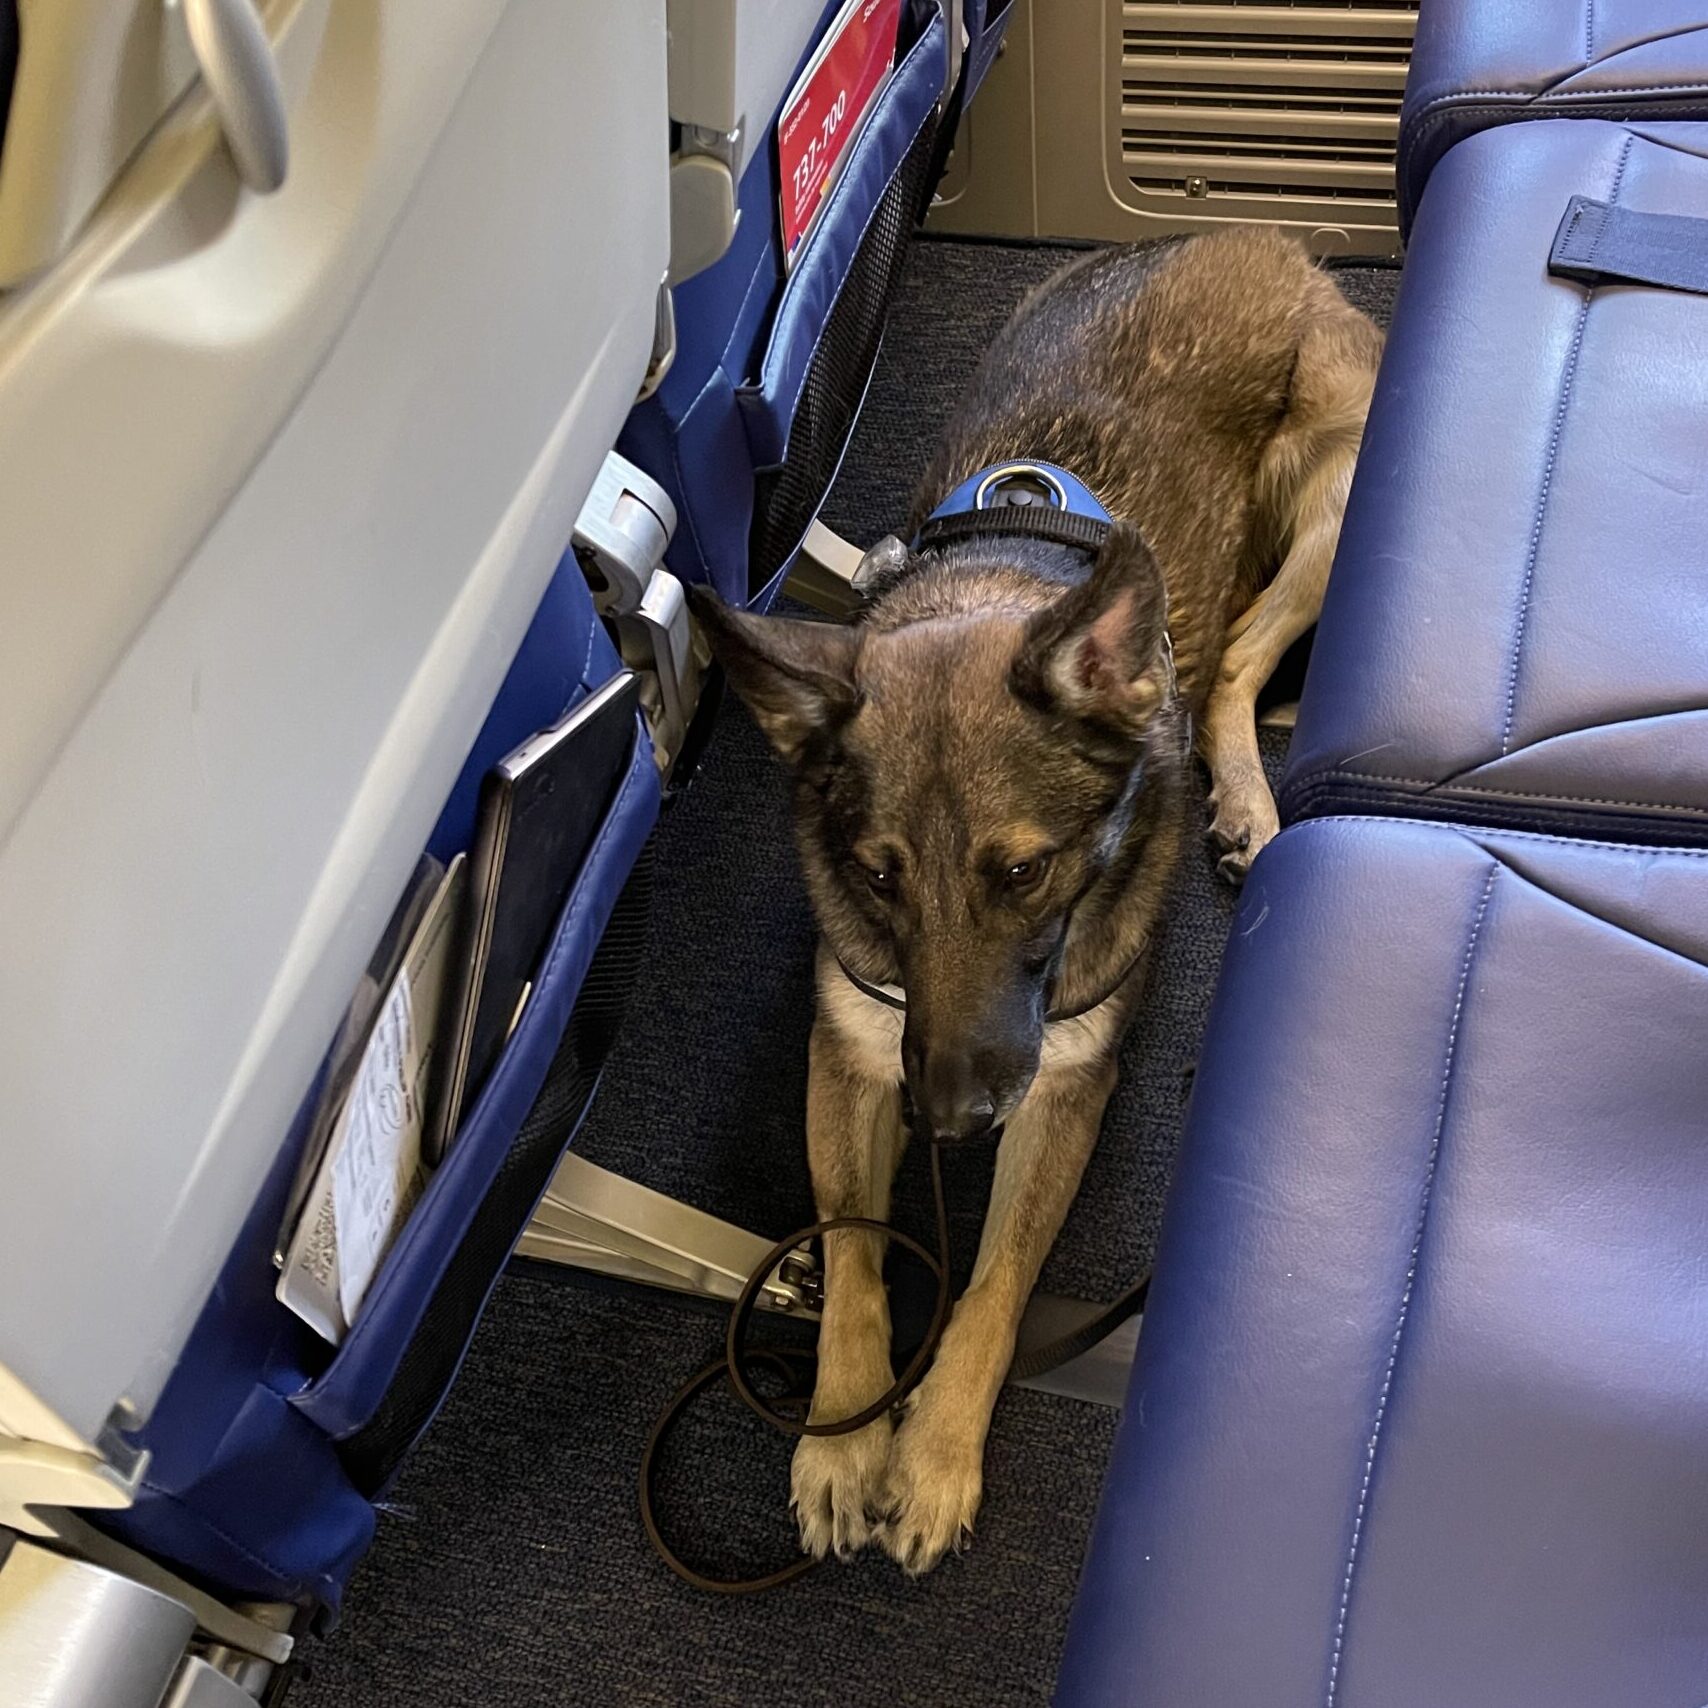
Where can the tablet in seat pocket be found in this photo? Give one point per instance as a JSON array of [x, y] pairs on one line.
[[540, 809]]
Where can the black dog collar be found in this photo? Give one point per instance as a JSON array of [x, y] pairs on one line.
[[893, 996]]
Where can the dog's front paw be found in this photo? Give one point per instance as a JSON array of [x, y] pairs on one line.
[[836, 1485], [1245, 819], [932, 1493]]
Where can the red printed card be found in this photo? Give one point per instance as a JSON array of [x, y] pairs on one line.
[[823, 113]]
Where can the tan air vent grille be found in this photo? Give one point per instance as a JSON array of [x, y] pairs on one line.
[[1272, 112]]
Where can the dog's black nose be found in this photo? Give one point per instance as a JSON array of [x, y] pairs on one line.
[[973, 1122], [952, 1104]]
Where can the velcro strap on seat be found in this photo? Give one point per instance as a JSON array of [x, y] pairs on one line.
[[1601, 244]]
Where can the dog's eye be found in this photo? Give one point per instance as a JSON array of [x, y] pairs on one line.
[[881, 878], [1027, 874]]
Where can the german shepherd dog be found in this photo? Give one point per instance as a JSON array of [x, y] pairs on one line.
[[990, 784]]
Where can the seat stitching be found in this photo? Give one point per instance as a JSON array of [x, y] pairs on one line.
[[1438, 107], [277, 1573], [764, 267], [593, 629], [1647, 127], [1589, 30], [674, 436], [1442, 109], [1584, 911], [1659, 832], [1453, 95], [1431, 1169], [1566, 97], [1567, 376], [1567, 379], [1636, 44], [1433, 114], [1594, 726]]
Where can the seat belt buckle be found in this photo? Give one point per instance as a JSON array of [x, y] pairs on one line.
[[655, 641], [621, 535]]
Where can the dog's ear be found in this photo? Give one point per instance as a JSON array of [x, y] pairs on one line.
[[1099, 652], [795, 677]]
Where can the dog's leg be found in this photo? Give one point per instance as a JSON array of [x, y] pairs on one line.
[[936, 1473], [855, 1136], [1240, 799], [1302, 487]]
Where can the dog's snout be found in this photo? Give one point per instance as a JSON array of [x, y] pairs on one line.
[[950, 1097]]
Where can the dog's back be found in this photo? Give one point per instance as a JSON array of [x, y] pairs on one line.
[[1160, 373]]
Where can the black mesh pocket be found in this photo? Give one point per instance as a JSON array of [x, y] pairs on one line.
[[372, 1454], [788, 498]]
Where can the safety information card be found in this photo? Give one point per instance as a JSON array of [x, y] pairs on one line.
[[826, 107]]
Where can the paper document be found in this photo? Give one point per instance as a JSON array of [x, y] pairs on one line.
[[374, 1169], [371, 1173]]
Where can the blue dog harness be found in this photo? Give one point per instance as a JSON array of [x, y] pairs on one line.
[[1033, 500]]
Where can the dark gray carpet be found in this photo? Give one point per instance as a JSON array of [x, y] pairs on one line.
[[512, 1569], [512, 1572]]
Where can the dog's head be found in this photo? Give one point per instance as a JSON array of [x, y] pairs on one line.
[[964, 780]]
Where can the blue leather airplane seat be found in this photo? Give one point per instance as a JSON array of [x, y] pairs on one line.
[[1477, 63], [1418, 1411], [1515, 630]]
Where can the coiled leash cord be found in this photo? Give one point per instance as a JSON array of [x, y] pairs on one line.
[[789, 1413]]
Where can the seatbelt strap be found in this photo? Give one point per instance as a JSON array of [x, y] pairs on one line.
[[1601, 244]]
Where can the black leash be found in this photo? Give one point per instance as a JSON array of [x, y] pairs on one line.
[[1099, 1323], [789, 1413]]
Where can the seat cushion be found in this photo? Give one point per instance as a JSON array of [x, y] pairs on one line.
[[1477, 63], [1421, 1395], [1516, 629]]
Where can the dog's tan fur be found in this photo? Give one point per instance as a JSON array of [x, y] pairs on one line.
[[1212, 393]]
